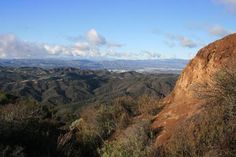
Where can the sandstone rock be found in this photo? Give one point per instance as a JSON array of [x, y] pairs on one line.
[[182, 102]]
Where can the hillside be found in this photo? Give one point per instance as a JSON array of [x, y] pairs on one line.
[[49, 105], [75, 87], [183, 103]]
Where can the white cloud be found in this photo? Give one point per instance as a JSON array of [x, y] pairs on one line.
[[11, 47], [54, 49], [218, 31], [95, 38], [94, 46], [181, 40], [211, 29], [84, 46], [186, 42], [229, 4], [114, 45]]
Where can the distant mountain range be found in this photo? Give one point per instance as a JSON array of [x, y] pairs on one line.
[[143, 66]]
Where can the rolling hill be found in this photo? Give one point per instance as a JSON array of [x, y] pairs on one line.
[[75, 87]]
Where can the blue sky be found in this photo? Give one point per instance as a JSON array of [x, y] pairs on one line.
[[120, 29]]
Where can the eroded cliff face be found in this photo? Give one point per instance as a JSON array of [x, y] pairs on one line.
[[182, 103]]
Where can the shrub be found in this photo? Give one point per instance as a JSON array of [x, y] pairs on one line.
[[84, 132], [105, 118], [115, 116], [148, 106], [31, 137], [134, 143], [6, 98], [110, 122], [19, 111], [127, 104], [3, 98], [213, 132]]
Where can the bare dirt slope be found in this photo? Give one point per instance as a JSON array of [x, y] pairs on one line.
[[182, 103]]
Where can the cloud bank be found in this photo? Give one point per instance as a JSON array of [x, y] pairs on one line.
[[12, 47], [92, 44]]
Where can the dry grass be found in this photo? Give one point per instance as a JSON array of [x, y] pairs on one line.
[[19, 111], [149, 106], [213, 132], [134, 142]]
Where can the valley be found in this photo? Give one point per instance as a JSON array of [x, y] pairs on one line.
[[71, 86]]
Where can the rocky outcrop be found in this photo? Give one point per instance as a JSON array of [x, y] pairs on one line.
[[182, 102]]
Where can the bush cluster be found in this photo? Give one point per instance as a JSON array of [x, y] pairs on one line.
[[213, 132]]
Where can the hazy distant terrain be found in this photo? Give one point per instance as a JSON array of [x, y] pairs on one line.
[[146, 66]]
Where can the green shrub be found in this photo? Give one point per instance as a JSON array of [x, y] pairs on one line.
[[126, 104], [6, 98], [115, 116], [106, 124], [3, 97], [134, 143]]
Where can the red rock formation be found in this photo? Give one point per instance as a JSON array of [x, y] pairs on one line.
[[181, 103]]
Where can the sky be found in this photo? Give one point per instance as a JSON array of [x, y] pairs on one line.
[[112, 29]]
